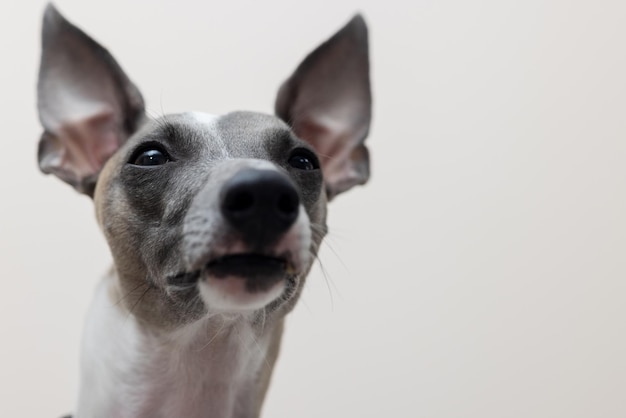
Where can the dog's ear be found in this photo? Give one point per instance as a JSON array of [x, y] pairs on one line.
[[328, 101], [87, 105]]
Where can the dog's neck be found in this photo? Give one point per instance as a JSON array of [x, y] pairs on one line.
[[218, 366]]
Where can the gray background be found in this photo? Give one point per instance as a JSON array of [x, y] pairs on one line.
[[480, 274]]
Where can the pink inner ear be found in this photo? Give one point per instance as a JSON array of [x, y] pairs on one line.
[[338, 145], [82, 147]]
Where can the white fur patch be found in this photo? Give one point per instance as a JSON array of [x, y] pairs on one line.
[[258, 164], [209, 121], [203, 118], [203, 369]]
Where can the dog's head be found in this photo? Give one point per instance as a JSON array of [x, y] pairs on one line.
[[206, 213]]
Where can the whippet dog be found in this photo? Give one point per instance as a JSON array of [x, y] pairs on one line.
[[213, 222]]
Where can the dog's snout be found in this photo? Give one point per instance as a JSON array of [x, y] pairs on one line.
[[260, 204]]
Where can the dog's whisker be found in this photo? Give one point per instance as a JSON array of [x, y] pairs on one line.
[[328, 282], [335, 253], [130, 311], [261, 352], [217, 333], [128, 293], [153, 115], [260, 320]]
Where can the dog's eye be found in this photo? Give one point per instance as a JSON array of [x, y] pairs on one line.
[[149, 157], [303, 159]]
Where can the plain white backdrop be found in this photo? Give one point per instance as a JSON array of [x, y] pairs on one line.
[[481, 273]]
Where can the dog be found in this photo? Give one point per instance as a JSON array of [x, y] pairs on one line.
[[213, 222]]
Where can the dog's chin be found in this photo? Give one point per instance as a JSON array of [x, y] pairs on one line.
[[243, 282]]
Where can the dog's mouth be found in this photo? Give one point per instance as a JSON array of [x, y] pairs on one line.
[[259, 271], [249, 266], [241, 281]]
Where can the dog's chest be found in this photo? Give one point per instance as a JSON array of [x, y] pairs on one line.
[[209, 369]]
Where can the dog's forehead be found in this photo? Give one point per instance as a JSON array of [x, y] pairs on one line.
[[236, 125], [235, 134]]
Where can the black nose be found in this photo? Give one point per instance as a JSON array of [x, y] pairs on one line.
[[260, 204]]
